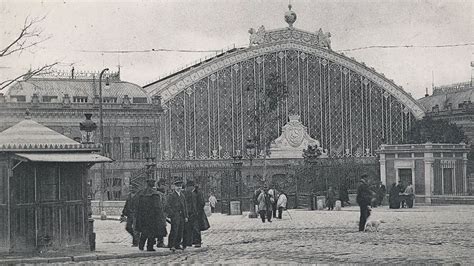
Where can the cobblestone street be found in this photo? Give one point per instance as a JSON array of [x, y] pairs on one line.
[[424, 234]]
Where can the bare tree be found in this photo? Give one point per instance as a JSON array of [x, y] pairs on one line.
[[31, 35]]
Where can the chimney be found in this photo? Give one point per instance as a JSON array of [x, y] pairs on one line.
[[426, 94], [472, 74], [72, 73]]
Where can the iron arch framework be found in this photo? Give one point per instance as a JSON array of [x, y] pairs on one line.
[[350, 108]]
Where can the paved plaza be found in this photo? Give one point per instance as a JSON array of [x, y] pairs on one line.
[[424, 234]]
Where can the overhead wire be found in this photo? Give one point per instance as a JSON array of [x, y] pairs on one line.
[[153, 50]]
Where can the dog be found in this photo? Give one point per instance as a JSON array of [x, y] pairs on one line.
[[373, 224]]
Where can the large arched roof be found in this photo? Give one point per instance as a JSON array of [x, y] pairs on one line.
[[276, 41]]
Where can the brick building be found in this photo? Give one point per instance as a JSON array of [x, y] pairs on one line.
[[60, 100]]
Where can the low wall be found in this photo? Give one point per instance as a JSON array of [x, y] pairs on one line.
[[112, 208]]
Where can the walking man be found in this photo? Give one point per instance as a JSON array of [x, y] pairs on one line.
[[162, 193], [364, 197], [191, 214], [330, 198], [200, 216], [151, 221], [411, 195], [281, 204], [129, 213], [264, 205], [212, 203], [176, 210]]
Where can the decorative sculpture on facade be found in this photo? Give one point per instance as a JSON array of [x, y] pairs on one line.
[[293, 140], [290, 17], [257, 37], [324, 39]]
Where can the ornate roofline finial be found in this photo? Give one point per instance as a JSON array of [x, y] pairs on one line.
[[290, 16], [27, 114]]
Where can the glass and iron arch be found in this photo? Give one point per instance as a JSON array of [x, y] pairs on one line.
[[348, 107]]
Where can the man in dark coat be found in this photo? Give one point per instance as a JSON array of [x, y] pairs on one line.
[[364, 197], [200, 215], [129, 214], [151, 221], [177, 211], [381, 194], [330, 198], [401, 188], [191, 204], [394, 197], [162, 192], [344, 195]]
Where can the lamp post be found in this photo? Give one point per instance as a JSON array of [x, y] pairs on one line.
[[87, 128], [103, 215], [237, 163], [250, 150], [150, 167]]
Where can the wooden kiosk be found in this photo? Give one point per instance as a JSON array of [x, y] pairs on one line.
[[43, 189]]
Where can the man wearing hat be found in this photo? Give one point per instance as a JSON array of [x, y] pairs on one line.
[[364, 198], [151, 221], [129, 215], [191, 213], [160, 187], [177, 211]]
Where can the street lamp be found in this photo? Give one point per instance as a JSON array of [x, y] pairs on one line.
[[237, 179], [250, 150], [87, 128], [103, 215]]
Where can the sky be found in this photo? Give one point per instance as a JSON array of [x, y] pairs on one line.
[[77, 32]]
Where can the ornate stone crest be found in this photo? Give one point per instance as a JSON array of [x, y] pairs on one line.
[[293, 140], [257, 37]]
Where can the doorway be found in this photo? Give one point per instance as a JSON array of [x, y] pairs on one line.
[[448, 180], [405, 176]]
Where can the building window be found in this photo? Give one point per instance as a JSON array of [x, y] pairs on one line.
[[146, 149], [18, 98], [3, 183], [106, 146], [135, 152], [109, 100], [139, 100], [79, 99], [50, 99], [113, 187], [48, 182], [117, 148]]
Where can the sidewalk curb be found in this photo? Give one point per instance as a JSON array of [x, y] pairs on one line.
[[97, 257]]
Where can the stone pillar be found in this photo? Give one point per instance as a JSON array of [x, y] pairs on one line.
[[126, 143], [383, 171], [429, 160], [464, 172]]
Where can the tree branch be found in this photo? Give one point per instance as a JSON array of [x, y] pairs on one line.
[[28, 37], [27, 75]]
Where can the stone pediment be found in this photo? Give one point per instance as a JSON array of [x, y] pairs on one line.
[[292, 141]]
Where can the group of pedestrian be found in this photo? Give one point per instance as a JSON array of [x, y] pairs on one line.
[[269, 202], [148, 211], [379, 191], [401, 196]]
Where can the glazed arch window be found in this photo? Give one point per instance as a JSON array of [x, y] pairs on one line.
[[18, 98], [109, 100], [139, 100], [50, 99], [79, 99]]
